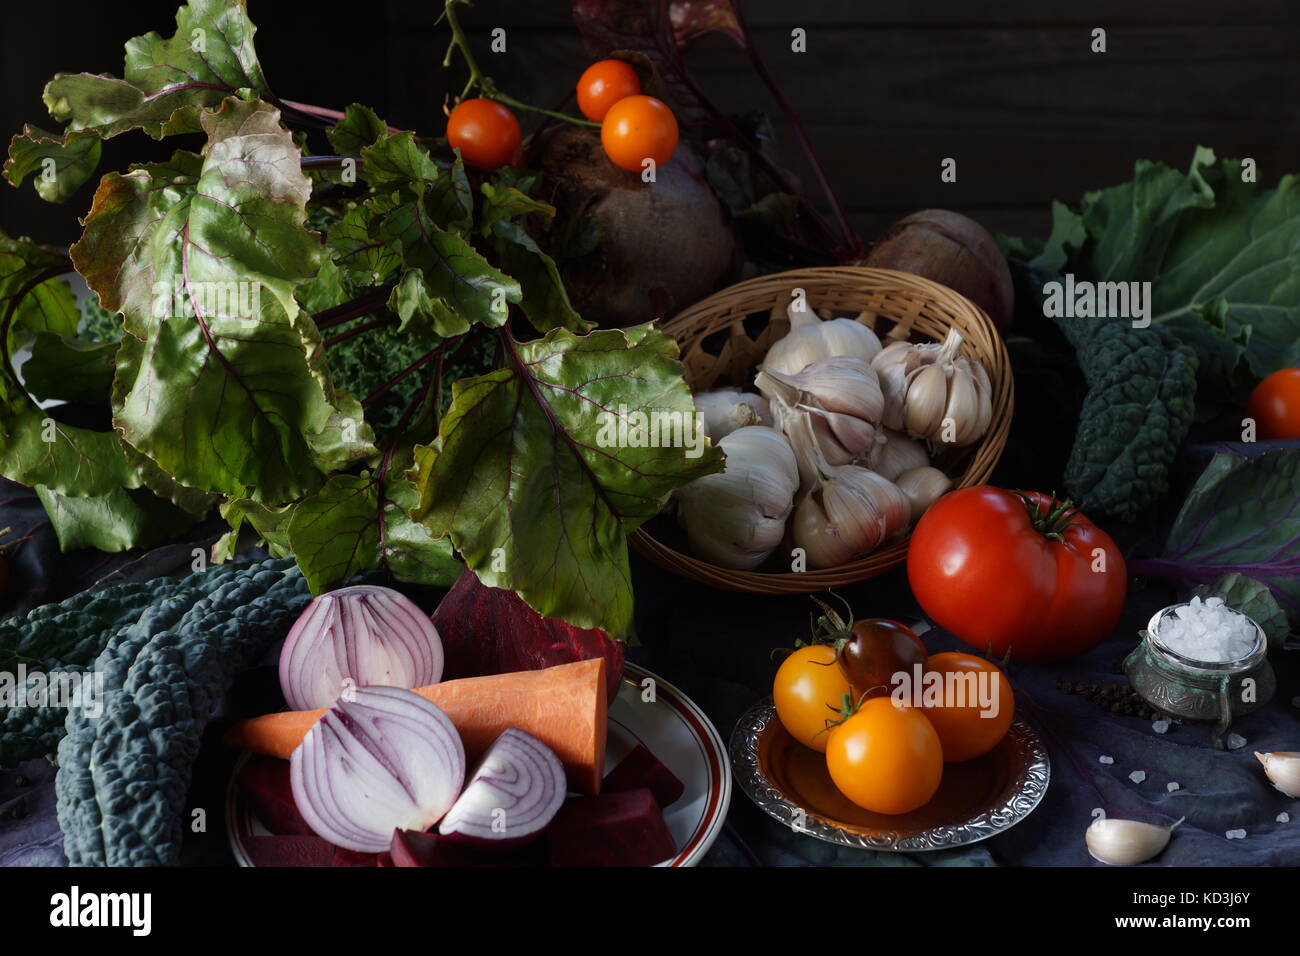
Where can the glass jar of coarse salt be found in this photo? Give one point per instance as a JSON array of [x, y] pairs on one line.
[[1202, 660]]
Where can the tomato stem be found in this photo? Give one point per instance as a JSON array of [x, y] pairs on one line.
[[1055, 520], [478, 80]]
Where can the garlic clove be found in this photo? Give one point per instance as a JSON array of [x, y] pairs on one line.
[[923, 487], [963, 410], [1282, 767], [1126, 842], [927, 399], [840, 384], [893, 453], [812, 531], [854, 435]]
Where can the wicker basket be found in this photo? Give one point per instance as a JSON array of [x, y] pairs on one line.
[[724, 337]]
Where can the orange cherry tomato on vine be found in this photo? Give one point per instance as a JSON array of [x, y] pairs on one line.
[[486, 133], [808, 691], [1275, 405], [603, 84], [638, 128], [886, 758], [975, 710]]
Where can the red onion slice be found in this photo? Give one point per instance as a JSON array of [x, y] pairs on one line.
[[364, 634], [388, 760], [512, 794]]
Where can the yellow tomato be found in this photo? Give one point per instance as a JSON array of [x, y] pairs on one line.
[[886, 758], [975, 706], [808, 691]]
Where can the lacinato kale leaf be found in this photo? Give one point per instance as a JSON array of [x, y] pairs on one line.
[[1138, 408], [124, 775], [67, 637]]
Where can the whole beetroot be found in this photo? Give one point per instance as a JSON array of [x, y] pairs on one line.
[[663, 245], [953, 250]]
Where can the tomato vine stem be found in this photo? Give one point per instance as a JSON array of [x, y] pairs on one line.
[[483, 83]]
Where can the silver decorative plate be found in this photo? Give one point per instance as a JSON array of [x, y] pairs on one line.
[[977, 799]]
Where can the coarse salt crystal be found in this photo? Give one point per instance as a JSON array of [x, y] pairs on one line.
[[1171, 787], [1106, 760], [1235, 741], [1236, 834], [1284, 817], [1208, 631], [1137, 776], [1160, 726]]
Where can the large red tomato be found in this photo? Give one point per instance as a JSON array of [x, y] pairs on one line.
[[1018, 571]]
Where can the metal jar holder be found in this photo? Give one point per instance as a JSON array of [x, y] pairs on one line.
[[1218, 691]]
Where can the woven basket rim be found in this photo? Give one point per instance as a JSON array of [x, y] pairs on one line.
[[984, 454]]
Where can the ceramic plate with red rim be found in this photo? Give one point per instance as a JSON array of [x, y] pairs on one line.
[[648, 710]]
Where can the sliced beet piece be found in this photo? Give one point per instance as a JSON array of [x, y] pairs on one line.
[[344, 857], [411, 848], [289, 851], [641, 768], [488, 630], [612, 829], [264, 782]]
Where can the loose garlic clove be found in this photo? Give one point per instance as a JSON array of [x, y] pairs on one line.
[[923, 487], [1126, 842], [736, 518], [811, 338], [1282, 767]]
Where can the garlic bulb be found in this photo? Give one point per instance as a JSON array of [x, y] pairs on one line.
[[850, 513], [923, 487], [811, 338], [893, 453], [737, 518], [842, 401], [932, 393], [724, 410], [1126, 842], [1282, 767], [846, 512]]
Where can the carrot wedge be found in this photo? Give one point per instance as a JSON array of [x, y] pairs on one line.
[[562, 706]]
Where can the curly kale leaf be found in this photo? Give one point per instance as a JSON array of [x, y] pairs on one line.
[[363, 363], [124, 773]]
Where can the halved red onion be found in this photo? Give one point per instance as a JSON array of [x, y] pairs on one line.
[[365, 634], [388, 760], [511, 796]]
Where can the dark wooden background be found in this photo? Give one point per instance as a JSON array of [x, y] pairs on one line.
[[887, 88]]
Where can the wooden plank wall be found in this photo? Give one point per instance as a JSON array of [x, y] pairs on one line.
[[887, 88], [1011, 90]]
